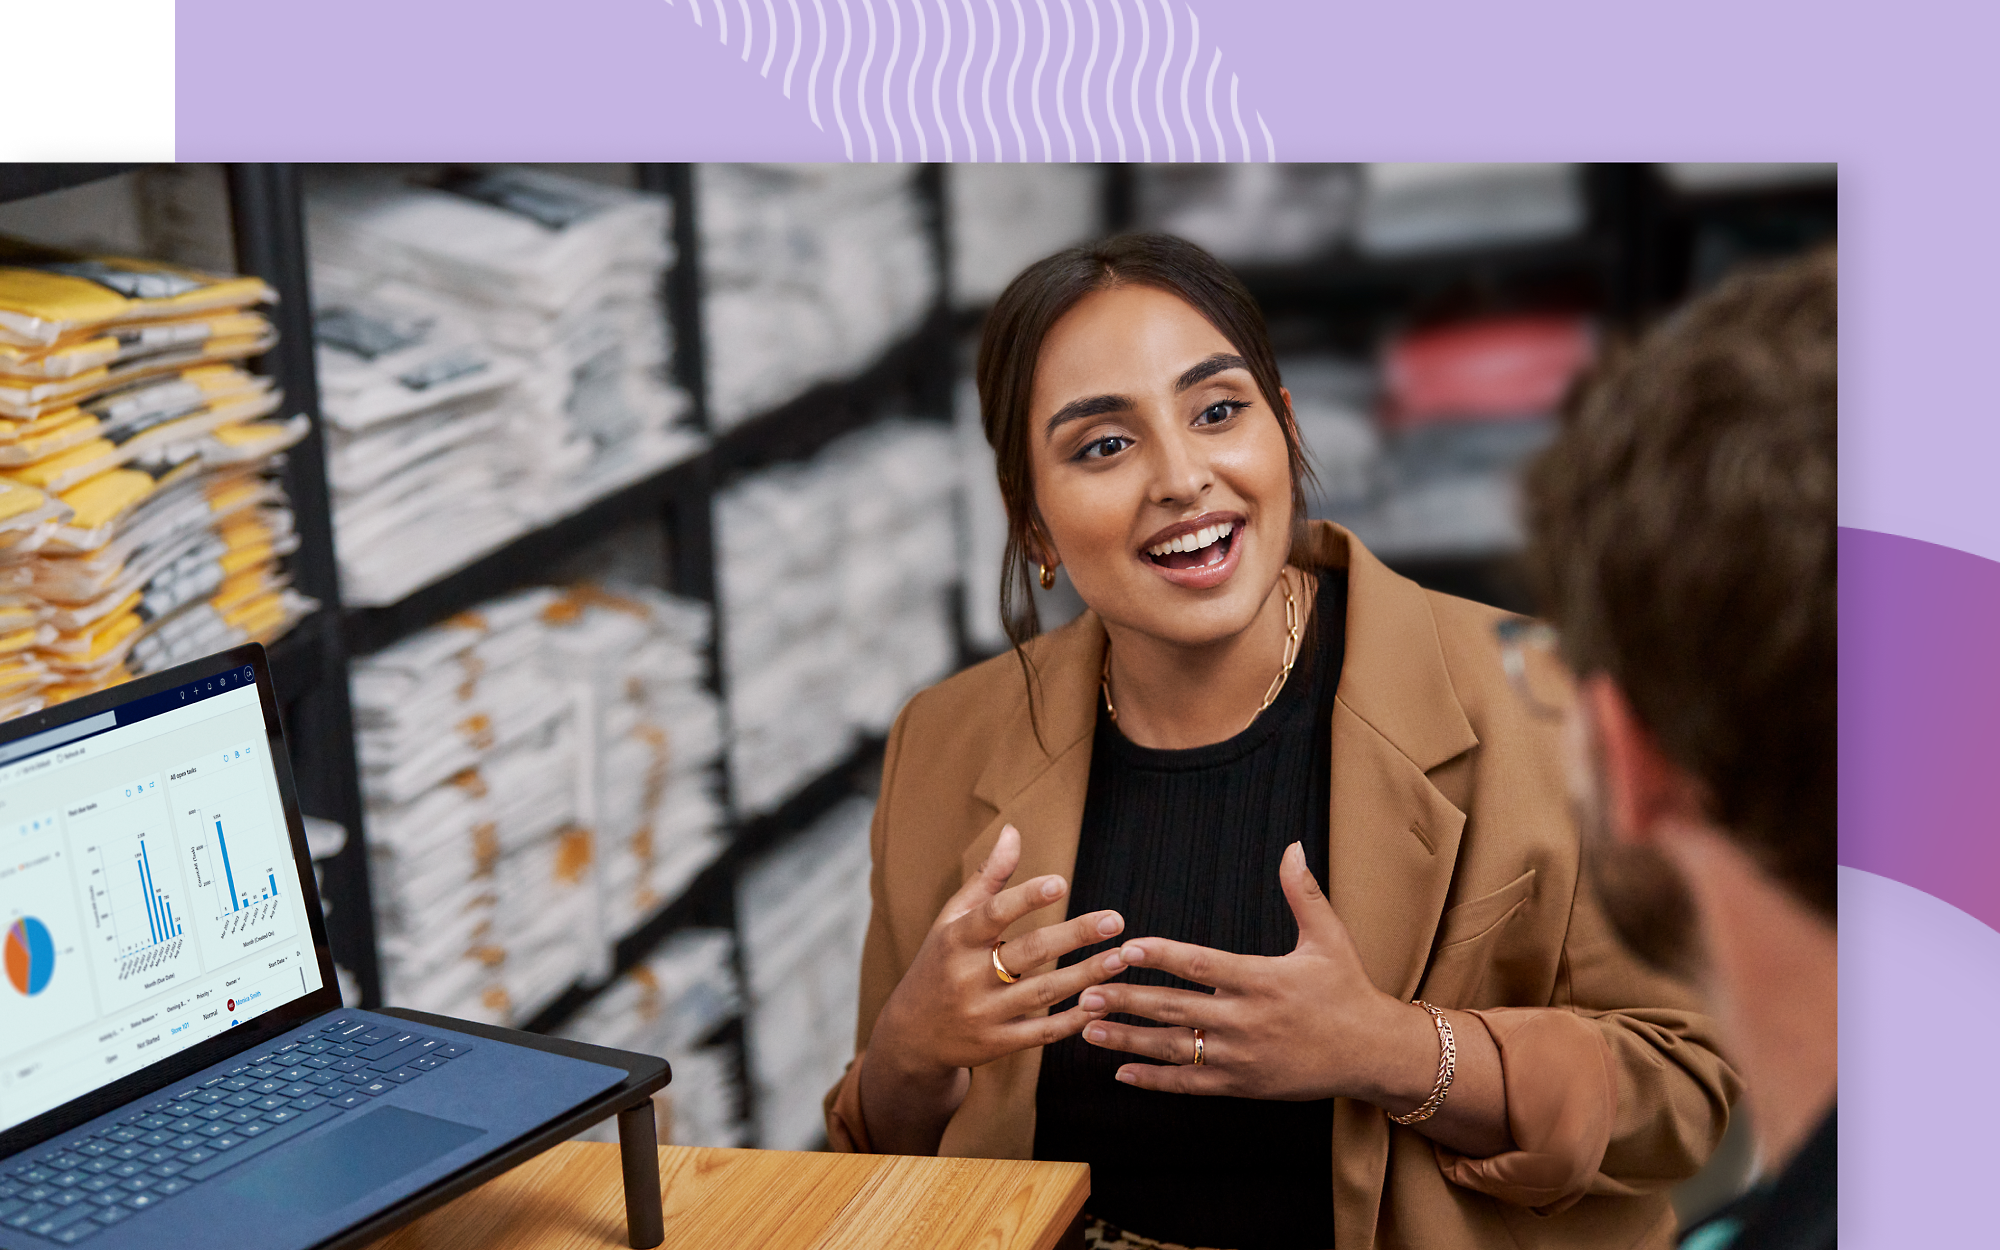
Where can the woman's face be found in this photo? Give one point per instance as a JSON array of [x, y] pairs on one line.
[[1160, 472]]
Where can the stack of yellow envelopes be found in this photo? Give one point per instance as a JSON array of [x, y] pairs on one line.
[[141, 523]]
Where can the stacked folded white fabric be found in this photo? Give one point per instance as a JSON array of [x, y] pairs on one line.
[[487, 747], [649, 735], [1333, 401], [1711, 177], [1451, 491], [141, 519], [1253, 213], [558, 276], [418, 409], [809, 272], [467, 751], [1006, 217], [803, 914], [835, 579], [1408, 207], [671, 1005]]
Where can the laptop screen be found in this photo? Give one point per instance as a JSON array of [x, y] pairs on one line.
[[150, 897]]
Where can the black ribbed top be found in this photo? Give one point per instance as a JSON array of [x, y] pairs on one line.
[[1186, 845]]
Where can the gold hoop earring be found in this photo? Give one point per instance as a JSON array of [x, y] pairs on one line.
[[1048, 578]]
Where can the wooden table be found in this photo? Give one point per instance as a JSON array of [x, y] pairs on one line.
[[572, 1198]]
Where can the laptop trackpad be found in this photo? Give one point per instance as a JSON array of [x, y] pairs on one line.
[[361, 1155]]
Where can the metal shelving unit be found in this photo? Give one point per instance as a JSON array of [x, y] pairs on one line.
[[913, 375], [1636, 257], [310, 663], [20, 182]]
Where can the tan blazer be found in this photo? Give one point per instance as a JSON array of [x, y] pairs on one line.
[[1454, 863]]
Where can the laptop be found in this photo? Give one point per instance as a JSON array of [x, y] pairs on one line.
[[176, 1067]]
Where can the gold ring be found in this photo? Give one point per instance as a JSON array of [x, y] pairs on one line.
[[1000, 968], [1200, 1049]]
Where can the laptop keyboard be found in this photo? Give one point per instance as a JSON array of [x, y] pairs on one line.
[[174, 1143]]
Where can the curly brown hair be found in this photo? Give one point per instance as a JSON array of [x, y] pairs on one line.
[[1682, 539]]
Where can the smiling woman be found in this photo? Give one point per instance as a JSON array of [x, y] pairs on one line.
[[1255, 887]]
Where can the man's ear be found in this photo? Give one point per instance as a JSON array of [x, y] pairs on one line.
[[1642, 787]]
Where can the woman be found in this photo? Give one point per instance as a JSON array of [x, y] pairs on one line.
[[1294, 954]]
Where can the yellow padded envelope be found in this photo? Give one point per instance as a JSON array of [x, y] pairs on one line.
[[89, 350], [46, 294]]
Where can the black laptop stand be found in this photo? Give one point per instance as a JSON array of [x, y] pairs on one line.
[[638, 1145]]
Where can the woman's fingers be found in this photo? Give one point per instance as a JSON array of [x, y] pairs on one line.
[[1155, 1002], [1043, 1030], [1319, 925], [1180, 1078], [1171, 1045], [1051, 988], [1202, 965], [1174, 1048], [991, 877], [1032, 950], [983, 925]]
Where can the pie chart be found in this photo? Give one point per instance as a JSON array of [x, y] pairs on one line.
[[30, 955]]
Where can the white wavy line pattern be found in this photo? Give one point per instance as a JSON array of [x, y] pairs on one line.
[[923, 144], [1083, 88], [986, 81], [812, 78], [1013, 76], [1236, 115], [798, 42], [875, 83], [1035, 85], [1208, 95], [965, 66], [1187, 71], [1160, 83], [937, 76], [1062, 77], [862, 78], [840, 69]]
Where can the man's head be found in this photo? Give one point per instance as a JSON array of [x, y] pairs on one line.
[[1682, 541]]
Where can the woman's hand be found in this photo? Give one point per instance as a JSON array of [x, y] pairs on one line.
[[951, 1012], [1301, 1026]]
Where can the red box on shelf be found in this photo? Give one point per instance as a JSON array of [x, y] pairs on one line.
[[1493, 369]]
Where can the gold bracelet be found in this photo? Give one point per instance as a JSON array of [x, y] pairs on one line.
[[1447, 1068]]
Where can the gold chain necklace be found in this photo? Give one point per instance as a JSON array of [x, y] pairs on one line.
[[1292, 635]]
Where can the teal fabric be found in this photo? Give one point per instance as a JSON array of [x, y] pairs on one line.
[[1717, 1235]]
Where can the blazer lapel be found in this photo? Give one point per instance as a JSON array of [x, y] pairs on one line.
[[1393, 838], [1039, 788]]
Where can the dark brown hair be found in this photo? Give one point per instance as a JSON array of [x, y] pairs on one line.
[[1011, 345], [1682, 539]]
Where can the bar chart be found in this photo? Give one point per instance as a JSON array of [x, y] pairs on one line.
[[135, 900], [233, 867], [134, 903], [235, 849]]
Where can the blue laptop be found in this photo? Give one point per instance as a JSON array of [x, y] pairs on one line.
[[176, 1068]]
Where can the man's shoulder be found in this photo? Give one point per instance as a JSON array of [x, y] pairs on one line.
[[1468, 635], [1797, 1210]]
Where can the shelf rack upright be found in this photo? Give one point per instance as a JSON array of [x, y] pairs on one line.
[[1636, 255]]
